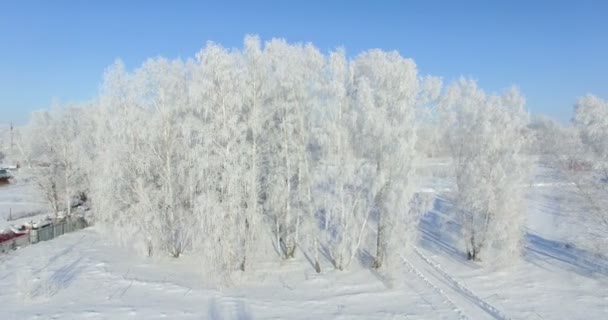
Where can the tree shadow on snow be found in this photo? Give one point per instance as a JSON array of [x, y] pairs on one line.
[[565, 254], [61, 254], [439, 233], [308, 258], [216, 312], [59, 279], [325, 252], [243, 312], [366, 259]]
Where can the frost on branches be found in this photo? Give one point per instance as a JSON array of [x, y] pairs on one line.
[[281, 146], [591, 176], [486, 140], [51, 150]]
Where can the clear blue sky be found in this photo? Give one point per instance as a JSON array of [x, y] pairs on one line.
[[554, 51]]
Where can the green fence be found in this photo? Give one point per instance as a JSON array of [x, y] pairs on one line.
[[52, 229], [56, 228]]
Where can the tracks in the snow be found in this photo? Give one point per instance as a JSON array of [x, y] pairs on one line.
[[456, 295], [412, 269]]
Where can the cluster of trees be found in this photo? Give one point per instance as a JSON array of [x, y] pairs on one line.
[[213, 154], [579, 151], [486, 135], [591, 121], [281, 143]]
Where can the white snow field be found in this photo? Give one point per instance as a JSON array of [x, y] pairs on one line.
[[21, 202], [83, 275]]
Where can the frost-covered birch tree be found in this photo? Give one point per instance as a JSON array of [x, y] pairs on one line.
[[387, 91], [287, 170], [118, 189], [591, 176], [51, 152], [254, 90], [485, 133], [218, 97], [343, 181]]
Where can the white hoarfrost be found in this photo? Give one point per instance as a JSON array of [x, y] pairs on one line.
[[485, 134], [276, 141]]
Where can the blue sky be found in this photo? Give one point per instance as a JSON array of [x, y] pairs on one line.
[[554, 51]]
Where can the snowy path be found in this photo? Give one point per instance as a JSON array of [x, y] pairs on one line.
[[455, 290], [445, 297]]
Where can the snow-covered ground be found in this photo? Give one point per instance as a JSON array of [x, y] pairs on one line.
[[20, 202], [83, 275]]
